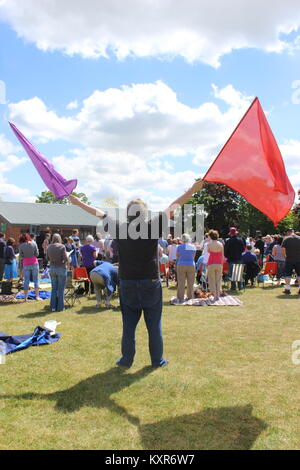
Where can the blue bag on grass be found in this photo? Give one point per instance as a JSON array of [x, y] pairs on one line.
[[40, 336]]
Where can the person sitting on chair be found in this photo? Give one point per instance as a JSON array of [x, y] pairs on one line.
[[252, 267]]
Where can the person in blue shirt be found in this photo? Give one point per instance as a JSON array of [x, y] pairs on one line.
[[200, 263], [185, 268], [104, 276], [164, 244]]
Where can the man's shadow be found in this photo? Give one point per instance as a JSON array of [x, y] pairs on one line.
[[95, 391], [228, 428]]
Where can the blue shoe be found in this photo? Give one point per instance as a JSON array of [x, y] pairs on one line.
[[121, 364], [164, 363]]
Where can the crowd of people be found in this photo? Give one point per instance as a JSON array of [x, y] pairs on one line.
[[215, 255], [133, 263], [22, 261], [188, 261]]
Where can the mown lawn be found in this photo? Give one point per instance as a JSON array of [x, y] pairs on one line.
[[230, 384]]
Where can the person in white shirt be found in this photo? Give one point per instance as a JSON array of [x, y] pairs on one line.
[[171, 251]]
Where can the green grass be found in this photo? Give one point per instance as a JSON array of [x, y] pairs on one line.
[[230, 383]]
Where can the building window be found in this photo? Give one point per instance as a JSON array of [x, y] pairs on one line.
[[34, 229]]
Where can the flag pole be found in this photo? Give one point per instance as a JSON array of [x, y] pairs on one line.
[[255, 99]]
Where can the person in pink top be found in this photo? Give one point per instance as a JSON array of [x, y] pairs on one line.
[[28, 253], [215, 264]]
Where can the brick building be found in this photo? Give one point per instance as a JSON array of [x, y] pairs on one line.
[[17, 217]]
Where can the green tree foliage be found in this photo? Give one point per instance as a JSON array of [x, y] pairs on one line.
[[226, 208], [220, 204], [48, 198]]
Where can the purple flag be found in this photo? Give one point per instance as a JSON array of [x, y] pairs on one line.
[[54, 181]]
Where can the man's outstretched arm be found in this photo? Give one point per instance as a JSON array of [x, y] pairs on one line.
[[172, 207], [185, 197], [90, 209]]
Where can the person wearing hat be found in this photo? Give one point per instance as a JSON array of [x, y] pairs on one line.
[[233, 250], [291, 253]]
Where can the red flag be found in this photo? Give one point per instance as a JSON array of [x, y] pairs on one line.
[[251, 164]]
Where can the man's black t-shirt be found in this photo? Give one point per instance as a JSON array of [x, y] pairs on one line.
[[233, 249], [138, 258], [292, 246]]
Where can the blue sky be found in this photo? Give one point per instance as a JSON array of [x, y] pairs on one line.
[[150, 116]]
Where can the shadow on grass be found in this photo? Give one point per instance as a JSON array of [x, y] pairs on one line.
[[42, 313], [288, 297], [230, 428], [94, 391], [93, 309]]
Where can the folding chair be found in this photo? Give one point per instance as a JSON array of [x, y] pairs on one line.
[[164, 272], [172, 271], [202, 279], [237, 274], [81, 275], [270, 269], [225, 274], [71, 291]]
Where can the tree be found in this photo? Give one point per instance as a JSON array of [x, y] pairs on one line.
[[226, 208], [251, 219], [220, 204], [109, 202], [48, 198]]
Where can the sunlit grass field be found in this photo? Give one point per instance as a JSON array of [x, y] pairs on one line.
[[230, 383]]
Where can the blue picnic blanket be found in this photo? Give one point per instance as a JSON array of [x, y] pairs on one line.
[[44, 294], [40, 336]]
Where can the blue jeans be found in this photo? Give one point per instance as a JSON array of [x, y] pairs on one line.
[[58, 281], [137, 296], [32, 269]]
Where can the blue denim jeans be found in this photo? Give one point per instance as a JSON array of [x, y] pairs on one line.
[[137, 296], [32, 269], [58, 281]]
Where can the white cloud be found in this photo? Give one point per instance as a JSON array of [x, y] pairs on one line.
[[195, 30], [33, 113], [124, 138], [231, 96], [146, 120], [291, 154], [123, 176], [12, 192], [8, 162], [8, 159], [6, 146], [72, 105]]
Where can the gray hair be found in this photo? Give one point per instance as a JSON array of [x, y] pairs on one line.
[[90, 238], [136, 208], [56, 238], [186, 238]]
